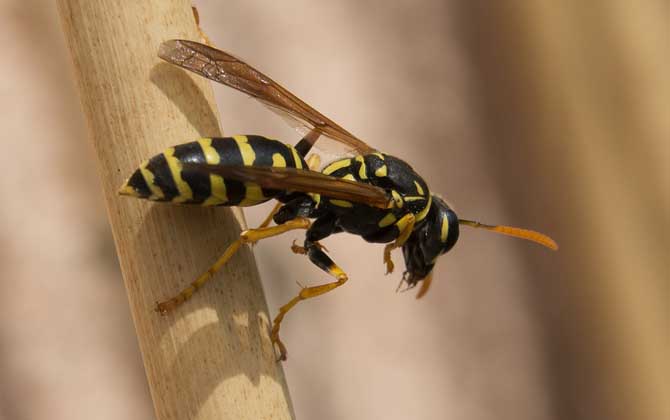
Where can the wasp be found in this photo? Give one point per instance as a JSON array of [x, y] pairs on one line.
[[369, 193]]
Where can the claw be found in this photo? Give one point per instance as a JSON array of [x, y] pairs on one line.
[[274, 338], [387, 259], [297, 249], [389, 267], [282, 352], [164, 307]]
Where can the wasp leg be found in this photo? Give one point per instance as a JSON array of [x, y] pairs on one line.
[[269, 218], [319, 258], [297, 249], [246, 237], [322, 227], [405, 226], [196, 15]]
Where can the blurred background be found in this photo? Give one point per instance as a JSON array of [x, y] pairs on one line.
[[549, 115]]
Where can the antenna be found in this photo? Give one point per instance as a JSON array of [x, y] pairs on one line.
[[529, 235]]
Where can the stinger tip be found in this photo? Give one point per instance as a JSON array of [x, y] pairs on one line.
[[128, 190]]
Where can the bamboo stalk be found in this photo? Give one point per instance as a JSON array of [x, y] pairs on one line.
[[211, 358]]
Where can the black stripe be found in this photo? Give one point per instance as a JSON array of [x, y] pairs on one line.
[[163, 177], [227, 149], [230, 154], [373, 162], [139, 184], [199, 182], [235, 190], [264, 149]]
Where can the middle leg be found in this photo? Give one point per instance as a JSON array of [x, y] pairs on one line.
[[405, 227], [320, 259], [320, 229]]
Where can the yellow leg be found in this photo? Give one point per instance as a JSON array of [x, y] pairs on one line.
[[269, 217], [204, 37], [305, 293], [248, 236], [406, 226]]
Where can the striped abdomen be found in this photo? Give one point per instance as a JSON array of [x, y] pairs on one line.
[[161, 178]]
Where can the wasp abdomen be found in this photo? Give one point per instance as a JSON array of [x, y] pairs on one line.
[[162, 177]]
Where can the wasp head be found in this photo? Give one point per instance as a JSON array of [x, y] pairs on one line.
[[434, 237]]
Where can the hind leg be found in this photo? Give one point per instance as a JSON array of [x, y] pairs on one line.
[[248, 236]]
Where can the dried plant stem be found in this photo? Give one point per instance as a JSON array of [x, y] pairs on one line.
[[212, 357]]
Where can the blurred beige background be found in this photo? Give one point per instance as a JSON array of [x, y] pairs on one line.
[[547, 115]]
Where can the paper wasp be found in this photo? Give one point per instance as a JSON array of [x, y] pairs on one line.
[[371, 194]]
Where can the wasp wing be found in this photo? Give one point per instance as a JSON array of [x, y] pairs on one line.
[[224, 68], [300, 180]]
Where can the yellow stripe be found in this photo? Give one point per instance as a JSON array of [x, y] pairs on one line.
[[403, 222], [414, 198], [362, 172], [419, 190], [253, 195], [341, 203], [388, 220], [316, 198], [397, 199], [445, 229], [278, 161], [379, 155], [247, 152], [296, 157], [211, 155], [218, 195], [128, 190], [156, 192], [349, 177], [185, 192], [336, 165], [381, 172], [423, 213]]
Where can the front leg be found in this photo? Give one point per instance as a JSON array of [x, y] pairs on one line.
[[405, 226]]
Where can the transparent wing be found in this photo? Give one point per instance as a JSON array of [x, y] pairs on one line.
[[224, 68], [291, 179]]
